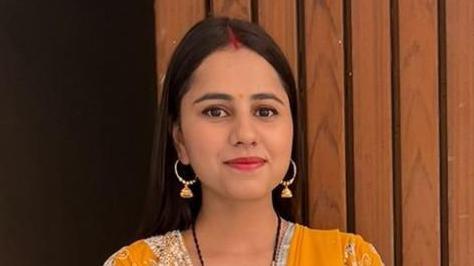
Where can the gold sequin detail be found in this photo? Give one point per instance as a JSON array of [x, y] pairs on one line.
[[364, 259], [169, 249], [121, 254], [350, 254]]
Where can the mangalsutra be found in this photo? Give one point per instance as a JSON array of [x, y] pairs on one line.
[[196, 243]]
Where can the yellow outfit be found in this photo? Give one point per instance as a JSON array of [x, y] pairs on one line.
[[300, 246]]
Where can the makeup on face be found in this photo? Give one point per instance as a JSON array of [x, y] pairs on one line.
[[247, 164], [236, 123]]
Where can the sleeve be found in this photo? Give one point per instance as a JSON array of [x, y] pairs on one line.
[[358, 252], [136, 254]]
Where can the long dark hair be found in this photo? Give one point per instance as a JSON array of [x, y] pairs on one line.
[[166, 210]]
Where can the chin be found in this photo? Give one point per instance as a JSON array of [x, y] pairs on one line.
[[246, 192], [239, 187]]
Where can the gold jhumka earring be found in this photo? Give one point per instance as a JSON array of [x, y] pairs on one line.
[[286, 192], [186, 192]]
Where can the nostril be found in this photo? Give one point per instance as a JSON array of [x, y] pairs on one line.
[[246, 143]]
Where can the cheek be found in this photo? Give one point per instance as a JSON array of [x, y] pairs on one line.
[[203, 141], [279, 139], [278, 143]]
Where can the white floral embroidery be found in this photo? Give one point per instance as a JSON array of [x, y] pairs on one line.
[[169, 249], [282, 252]]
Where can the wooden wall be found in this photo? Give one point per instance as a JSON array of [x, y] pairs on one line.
[[390, 113]]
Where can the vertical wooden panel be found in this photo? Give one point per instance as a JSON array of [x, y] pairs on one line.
[[173, 19], [460, 82], [241, 9], [278, 18], [372, 124], [325, 96], [419, 132]]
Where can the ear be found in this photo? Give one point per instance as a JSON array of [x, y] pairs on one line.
[[179, 144]]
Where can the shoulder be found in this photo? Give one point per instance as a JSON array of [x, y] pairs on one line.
[[136, 253], [155, 250], [352, 249]]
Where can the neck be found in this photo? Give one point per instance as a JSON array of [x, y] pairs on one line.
[[247, 226]]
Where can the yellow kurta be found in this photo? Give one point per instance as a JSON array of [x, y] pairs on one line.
[[305, 247], [330, 247]]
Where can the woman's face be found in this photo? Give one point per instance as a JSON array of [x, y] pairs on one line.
[[235, 126]]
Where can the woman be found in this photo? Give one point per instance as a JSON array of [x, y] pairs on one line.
[[225, 155]]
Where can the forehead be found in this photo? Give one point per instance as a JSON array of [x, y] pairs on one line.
[[236, 71]]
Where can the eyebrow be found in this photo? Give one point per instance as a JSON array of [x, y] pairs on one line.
[[227, 97]]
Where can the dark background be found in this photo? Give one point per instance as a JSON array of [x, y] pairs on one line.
[[77, 101]]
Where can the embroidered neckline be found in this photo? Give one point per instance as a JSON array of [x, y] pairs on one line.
[[284, 246], [183, 246], [169, 249], [174, 240]]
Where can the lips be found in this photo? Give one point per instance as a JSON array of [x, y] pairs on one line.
[[246, 163]]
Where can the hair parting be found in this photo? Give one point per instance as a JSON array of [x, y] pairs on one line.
[[233, 38]]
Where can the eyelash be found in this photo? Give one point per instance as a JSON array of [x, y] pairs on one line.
[[207, 111]]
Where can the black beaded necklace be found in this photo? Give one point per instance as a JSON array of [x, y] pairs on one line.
[[274, 248]]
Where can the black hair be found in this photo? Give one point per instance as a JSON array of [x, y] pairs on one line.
[[166, 210]]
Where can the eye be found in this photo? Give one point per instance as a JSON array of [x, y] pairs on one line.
[[266, 112], [215, 112]]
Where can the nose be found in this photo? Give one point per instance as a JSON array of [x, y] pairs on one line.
[[243, 132]]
